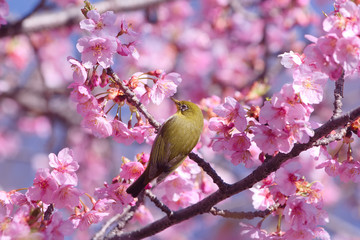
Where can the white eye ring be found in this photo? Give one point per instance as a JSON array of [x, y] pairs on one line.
[[184, 107]]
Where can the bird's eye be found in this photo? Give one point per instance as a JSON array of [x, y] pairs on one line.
[[184, 107]]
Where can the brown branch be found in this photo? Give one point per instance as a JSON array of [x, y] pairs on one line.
[[209, 170], [338, 95], [332, 137], [158, 203], [257, 175], [70, 16], [239, 215], [133, 100]]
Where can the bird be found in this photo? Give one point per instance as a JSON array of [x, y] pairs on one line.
[[177, 136]]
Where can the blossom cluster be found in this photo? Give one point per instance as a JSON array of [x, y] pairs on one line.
[[298, 202], [105, 40], [31, 215]]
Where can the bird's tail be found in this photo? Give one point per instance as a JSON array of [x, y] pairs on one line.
[[138, 185]]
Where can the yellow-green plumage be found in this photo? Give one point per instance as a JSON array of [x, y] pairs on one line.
[[175, 140]]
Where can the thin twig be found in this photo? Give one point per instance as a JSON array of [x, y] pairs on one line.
[[158, 203], [133, 100], [209, 170], [239, 215]]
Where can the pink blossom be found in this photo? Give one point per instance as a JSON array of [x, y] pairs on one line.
[[309, 84], [143, 215], [164, 86], [220, 125], [220, 144], [270, 141], [290, 59], [4, 11], [299, 215], [244, 157], [64, 167], [320, 56], [346, 22], [6, 206], [301, 131], [98, 124], [262, 198], [95, 215], [100, 25], [232, 111], [181, 199], [43, 188], [277, 195], [97, 50], [66, 196], [188, 169], [177, 191], [131, 170], [127, 49], [275, 117], [347, 53], [117, 193], [289, 104], [58, 228], [301, 234], [17, 226], [89, 107], [81, 93], [350, 171], [239, 142], [248, 231], [122, 134], [80, 73], [332, 167], [327, 44], [286, 177]]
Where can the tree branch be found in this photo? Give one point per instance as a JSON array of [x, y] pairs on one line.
[[239, 215], [257, 175], [209, 170], [158, 203], [338, 95], [133, 100], [69, 16]]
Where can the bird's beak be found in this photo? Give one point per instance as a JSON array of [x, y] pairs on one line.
[[177, 102]]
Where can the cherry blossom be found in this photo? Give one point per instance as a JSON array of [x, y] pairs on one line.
[[64, 167], [100, 24], [97, 50], [232, 111], [44, 186], [164, 86]]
